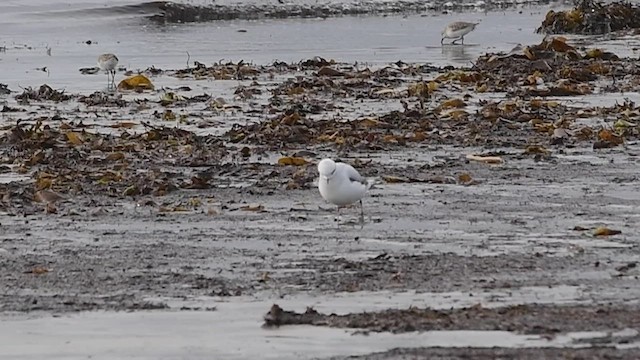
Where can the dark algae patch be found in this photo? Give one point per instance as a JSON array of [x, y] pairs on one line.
[[145, 157], [593, 17], [592, 353], [172, 12], [528, 319], [75, 161]]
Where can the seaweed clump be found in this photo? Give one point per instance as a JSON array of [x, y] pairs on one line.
[[592, 17]]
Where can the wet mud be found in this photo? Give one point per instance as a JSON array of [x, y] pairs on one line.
[[491, 180], [172, 12]]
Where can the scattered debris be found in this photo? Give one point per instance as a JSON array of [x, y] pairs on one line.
[[89, 70], [4, 89], [220, 71], [605, 231], [100, 98], [295, 161], [485, 159], [627, 267], [39, 270], [137, 82], [44, 93]]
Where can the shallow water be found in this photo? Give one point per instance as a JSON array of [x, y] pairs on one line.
[[34, 29], [233, 332], [141, 44]]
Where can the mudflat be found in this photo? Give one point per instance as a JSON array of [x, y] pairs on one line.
[[503, 221]]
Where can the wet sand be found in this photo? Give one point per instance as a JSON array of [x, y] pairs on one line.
[[497, 244]]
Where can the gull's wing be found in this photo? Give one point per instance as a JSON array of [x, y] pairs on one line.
[[351, 173]]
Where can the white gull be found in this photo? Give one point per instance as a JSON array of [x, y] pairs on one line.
[[341, 184]]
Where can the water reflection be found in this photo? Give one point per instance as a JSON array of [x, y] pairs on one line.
[[457, 53]]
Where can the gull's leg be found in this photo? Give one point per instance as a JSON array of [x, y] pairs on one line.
[[361, 215], [113, 79], [462, 38]]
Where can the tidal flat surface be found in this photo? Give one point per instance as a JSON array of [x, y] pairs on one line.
[[177, 229]]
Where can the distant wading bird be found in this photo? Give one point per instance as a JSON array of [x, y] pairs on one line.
[[457, 30], [341, 184], [108, 63]]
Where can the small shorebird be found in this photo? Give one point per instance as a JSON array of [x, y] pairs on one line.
[[108, 63], [341, 184], [457, 30]]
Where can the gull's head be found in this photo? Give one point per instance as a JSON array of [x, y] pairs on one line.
[[326, 168]]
